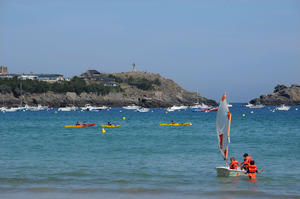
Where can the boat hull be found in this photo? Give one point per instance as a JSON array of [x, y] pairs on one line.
[[227, 172]]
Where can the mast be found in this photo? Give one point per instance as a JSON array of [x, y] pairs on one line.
[[223, 128], [21, 94]]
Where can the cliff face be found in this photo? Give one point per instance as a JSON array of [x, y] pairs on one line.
[[168, 93], [281, 95]]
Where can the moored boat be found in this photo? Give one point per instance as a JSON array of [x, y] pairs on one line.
[[254, 105], [142, 110], [131, 107], [176, 108], [282, 108], [200, 106], [73, 108], [88, 107]]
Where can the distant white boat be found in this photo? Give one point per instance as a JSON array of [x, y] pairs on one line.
[[73, 108], [282, 108], [143, 110], [202, 105], [176, 108], [249, 105], [35, 108], [131, 107], [12, 109], [88, 107], [254, 106]]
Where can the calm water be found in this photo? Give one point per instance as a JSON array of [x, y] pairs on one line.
[[39, 158]]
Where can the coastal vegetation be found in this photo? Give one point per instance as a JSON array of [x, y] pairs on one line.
[[139, 82], [76, 84]]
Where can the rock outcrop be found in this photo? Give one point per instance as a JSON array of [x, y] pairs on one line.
[[281, 95], [168, 93]]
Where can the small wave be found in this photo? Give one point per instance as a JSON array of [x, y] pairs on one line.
[[247, 194], [121, 181], [41, 189], [72, 174], [85, 190], [142, 190]]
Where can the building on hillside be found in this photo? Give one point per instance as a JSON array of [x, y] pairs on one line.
[[108, 81], [31, 76], [50, 77], [91, 75], [3, 70], [26, 77], [8, 75], [97, 76]]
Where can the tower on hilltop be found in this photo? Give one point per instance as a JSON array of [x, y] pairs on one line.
[[133, 67], [3, 70]]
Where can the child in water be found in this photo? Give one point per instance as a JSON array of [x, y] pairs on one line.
[[252, 170], [246, 161], [233, 163]]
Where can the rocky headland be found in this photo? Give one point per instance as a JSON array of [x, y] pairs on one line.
[[164, 93], [281, 95]]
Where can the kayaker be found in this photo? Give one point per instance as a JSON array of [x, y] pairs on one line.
[[77, 123], [246, 162], [252, 170], [108, 123], [233, 163], [172, 122]]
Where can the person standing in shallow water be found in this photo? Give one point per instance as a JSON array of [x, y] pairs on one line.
[[246, 162], [252, 170]]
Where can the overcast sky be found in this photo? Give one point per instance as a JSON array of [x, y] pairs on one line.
[[243, 47]]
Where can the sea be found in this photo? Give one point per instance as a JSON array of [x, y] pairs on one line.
[[40, 158]]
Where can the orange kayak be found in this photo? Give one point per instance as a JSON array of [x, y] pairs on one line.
[[80, 125]]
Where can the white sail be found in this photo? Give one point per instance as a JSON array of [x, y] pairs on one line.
[[223, 127]]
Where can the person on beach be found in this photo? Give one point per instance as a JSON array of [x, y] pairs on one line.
[[252, 170], [233, 163], [246, 162]]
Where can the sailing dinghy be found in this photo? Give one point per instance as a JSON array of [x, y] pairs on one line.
[[223, 133]]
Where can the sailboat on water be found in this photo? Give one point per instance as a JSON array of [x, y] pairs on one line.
[[223, 133]]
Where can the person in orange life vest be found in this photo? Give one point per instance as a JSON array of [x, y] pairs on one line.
[[252, 170], [246, 161], [233, 163]]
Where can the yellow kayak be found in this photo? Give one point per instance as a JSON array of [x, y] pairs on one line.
[[110, 126], [178, 124]]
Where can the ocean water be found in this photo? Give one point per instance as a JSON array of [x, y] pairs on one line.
[[39, 158]]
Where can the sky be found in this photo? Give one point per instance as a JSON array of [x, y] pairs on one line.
[[241, 47]]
